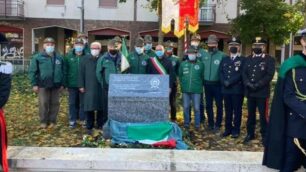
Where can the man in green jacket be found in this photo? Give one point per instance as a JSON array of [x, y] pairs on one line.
[[108, 64], [90, 87], [176, 64], [195, 43], [84, 37], [211, 60], [72, 63], [138, 59], [47, 78], [148, 46], [191, 75]]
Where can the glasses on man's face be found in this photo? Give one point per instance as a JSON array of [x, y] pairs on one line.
[[95, 48]]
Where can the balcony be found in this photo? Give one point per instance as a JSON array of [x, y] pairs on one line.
[[207, 14], [11, 9]]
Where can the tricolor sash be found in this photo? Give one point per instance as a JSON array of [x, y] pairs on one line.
[[158, 66]]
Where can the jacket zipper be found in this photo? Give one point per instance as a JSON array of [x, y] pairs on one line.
[[190, 76], [211, 59]]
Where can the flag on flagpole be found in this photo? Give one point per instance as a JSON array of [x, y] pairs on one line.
[[124, 56], [179, 10]]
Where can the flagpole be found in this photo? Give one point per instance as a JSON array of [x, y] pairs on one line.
[[185, 34]]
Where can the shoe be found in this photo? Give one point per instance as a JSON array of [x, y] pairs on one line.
[[226, 133], [51, 125], [248, 138], [43, 125], [72, 124], [235, 135]]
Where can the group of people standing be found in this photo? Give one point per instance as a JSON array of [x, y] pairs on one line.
[[201, 73], [208, 74]]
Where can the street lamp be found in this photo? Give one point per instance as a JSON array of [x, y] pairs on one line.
[[82, 17]]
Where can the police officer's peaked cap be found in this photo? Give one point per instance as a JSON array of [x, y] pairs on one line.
[[78, 41], [169, 44], [118, 39], [302, 33], [191, 49], [49, 40], [212, 39], [80, 35], [196, 37], [234, 41], [259, 41], [139, 42], [148, 39]]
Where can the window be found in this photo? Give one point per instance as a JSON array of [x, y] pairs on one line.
[[108, 3], [55, 2]]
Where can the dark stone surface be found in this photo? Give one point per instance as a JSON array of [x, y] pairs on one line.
[[138, 98]]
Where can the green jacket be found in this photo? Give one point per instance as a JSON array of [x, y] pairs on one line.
[[72, 65], [150, 53], [191, 77], [138, 63], [211, 62], [106, 66], [46, 71]]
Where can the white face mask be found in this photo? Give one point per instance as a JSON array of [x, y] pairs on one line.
[[95, 52], [195, 43]]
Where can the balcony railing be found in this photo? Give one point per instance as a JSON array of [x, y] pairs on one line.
[[11, 9], [207, 14]]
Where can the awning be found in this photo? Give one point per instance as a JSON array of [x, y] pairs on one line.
[[109, 32], [154, 33], [220, 35], [9, 29]]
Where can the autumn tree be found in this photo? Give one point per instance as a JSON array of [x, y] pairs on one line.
[[273, 20]]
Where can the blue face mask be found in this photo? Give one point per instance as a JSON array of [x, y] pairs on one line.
[[192, 57], [78, 48], [159, 53], [49, 49], [139, 50], [148, 46]]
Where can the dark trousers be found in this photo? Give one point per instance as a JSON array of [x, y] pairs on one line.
[[262, 105], [91, 117], [48, 104], [294, 158], [76, 108], [173, 102], [233, 112], [213, 92], [202, 114], [105, 105]]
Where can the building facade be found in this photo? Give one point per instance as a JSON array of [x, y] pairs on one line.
[[25, 23]]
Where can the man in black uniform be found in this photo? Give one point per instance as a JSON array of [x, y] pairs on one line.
[[162, 65], [232, 88], [258, 71], [5, 87], [286, 136], [176, 64]]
